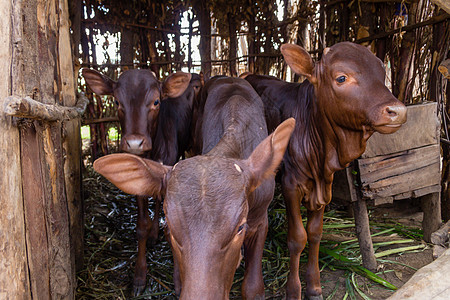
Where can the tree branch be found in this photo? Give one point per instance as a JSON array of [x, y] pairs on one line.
[[28, 108]]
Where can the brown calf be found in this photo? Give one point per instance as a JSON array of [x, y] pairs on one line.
[[215, 203], [337, 109], [155, 120]]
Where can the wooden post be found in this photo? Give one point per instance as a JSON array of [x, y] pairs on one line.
[[361, 222], [203, 13], [431, 206], [37, 260], [14, 279], [190, 41], [232, 53]]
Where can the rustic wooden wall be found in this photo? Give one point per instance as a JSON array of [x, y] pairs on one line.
[[40, 209]]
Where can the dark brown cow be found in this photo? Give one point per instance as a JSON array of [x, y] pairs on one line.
[[155, 119], [337, 109], [217, 202]]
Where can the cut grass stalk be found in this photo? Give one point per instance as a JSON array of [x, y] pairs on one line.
[[337, 226], [357, 268], [355, 284], [396, 263], [372, 235], [349, 288], [330, 297], [381, 244], [398, 250]]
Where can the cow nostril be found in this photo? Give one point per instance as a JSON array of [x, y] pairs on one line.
[[391, 112], [140, 144], [396, 112]]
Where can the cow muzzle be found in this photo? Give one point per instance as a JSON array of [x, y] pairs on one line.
[[136, 144], [392, 118]]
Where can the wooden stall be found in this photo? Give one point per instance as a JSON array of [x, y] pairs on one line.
[[394, 167], [40, 212]]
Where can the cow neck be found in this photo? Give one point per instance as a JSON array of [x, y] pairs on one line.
[[307, 156], [341, 145], [174, 121], [230, 144]]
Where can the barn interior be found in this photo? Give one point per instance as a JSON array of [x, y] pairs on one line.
[[89, 226]]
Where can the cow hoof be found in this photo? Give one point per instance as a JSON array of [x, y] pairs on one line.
[[138, 290]]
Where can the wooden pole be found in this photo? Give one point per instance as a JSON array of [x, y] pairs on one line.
[[190, 41], [28, 108], [361, 221], [37, 260], [14, 276]]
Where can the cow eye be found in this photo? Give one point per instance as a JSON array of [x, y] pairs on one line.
[[156, 102], [341, 79], [241, 228]]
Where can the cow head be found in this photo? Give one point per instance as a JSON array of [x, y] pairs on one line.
[[138, 95], [206, 206], [349, 86]]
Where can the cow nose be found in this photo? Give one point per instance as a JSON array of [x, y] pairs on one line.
[[397, 113], [136, 144]]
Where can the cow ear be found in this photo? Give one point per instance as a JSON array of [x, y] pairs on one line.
[[133, 174], [175, 85], [98, 83], [267, 156], [298, 59]]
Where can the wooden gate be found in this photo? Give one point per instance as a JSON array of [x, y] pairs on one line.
[[40, 206]]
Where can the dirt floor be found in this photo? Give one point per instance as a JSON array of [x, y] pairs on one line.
[[110, 250]]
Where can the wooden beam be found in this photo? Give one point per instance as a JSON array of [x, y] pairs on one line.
[[28, 108], [430, 21], [101, 120]]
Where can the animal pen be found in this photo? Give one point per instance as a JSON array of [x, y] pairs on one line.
[[45, 103]]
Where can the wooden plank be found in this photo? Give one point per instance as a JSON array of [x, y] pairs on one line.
[[381, 201], [403, 162], [34, 202], [72, 138], [62, 268], [430, 173], [421, 129], [14, 279], [425, 191], [419, 192], [402, 183]]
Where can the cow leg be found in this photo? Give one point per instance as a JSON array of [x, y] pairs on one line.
[[296, 240], [253, 284], [154, 227], [314, 228], [143, 228]]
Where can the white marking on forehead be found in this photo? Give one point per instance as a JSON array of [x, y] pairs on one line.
[[238, 168]]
